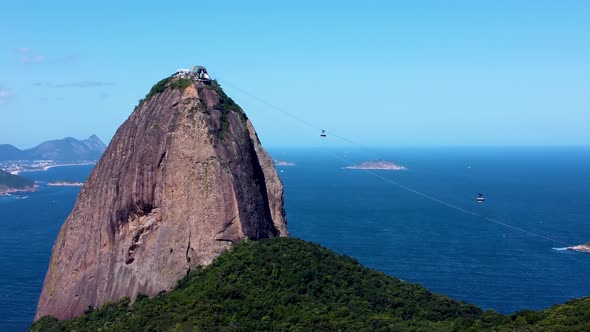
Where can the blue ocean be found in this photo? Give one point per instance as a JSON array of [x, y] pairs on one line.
[[430, 230]]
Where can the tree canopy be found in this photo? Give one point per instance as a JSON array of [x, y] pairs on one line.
[[286, 284]]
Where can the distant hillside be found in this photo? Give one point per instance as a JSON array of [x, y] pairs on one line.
[[9, 152], [9, 181], [283, 284], [67, 149]]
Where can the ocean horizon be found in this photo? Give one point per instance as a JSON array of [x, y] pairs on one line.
[[412, 224]]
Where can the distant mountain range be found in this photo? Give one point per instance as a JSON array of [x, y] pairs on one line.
[[67, 149]]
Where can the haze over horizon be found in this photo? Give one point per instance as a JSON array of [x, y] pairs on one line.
[[413, 74]]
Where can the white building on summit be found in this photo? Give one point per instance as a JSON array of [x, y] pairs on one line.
[[197, 72], [201, 73]]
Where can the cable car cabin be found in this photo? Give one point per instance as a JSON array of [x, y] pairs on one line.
[[323, 134], [480, 199]]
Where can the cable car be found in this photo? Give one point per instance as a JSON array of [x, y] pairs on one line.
[[480, 199], [323, 134]]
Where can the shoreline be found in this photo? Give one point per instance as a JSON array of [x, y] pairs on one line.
[[380, 165], [8, 192], [47, 167], [283, 163], [65, 184], [400, 168]]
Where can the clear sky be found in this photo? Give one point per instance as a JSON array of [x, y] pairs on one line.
[[380, 73]]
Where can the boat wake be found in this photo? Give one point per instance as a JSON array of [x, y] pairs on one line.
[[560, 249]]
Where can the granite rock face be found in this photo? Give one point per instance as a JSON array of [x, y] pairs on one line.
[[183, 179]]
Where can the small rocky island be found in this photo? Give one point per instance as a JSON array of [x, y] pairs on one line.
[[283, 163], [582, 247], [65, 184], [378, 165], [10, 183]]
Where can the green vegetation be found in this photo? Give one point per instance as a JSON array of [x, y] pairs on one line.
[[570, 316], [226, 105], [288, 284], [158, 87], [278, 284], [224, 100], [168, 82], [11, 181], [181, 84]]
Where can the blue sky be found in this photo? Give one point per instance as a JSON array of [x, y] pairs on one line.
[[380, 73]]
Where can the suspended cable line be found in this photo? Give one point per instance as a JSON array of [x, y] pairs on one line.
[[262, 101], [457, 207], [344, 139], [291, 115]]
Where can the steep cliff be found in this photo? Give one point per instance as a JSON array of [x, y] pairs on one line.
[[183, 179]]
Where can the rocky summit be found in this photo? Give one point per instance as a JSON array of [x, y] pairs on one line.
[[183, 179]]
